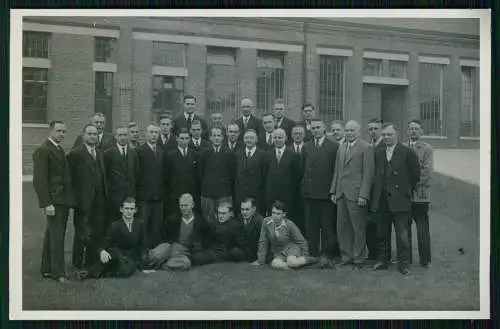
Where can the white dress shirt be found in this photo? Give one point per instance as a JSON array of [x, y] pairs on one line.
[[389, 151], [252, 151]]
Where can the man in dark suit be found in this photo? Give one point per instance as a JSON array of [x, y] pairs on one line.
[[52, 183], [265, 139], [351, 185], [232, 143], [216, 167], [251, 222], [89, 187], [248, 120], [197, 143], [104, 140], [185, 119], [298, 134], [181, 173], [149, 184], [397, 172], [280, 120], [120, 168], [281, 172], [307, 115], [217, 121], [318, 163], [133, 130], [167, 140], [249, 178]]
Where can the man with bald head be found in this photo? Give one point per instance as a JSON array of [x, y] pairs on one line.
[[281, 172], [149, 186], [248, 120], [350, 190]]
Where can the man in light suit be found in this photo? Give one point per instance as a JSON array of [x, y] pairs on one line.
[[397, 173], [350, 190], [422, 195]]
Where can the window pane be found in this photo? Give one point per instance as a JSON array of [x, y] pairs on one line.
[[372, 67], [34, 95], [469, 114], [397, 69], [104, 49], [36, 44], [331, 88], [221, 81], [270, 79], [431, 94], [169, 54], [167, 94]]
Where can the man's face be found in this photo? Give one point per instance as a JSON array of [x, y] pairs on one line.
[[374, 130], [58, 132], [134, 133], [337, 131], [90, 135], [414, 131], [390, 136], [246, 107], [216, 119], [250, 139], [318, 129], [278, 139], [152, 133], [196, 131], [298, 135], [223, 214], [279, 110], [183, 140], [247, 210], [268, 123], [186, 207], [128, 210], [216, 137], [308, 113], [165, 126], [351, 131], [122, 136], [233, 132], [189, 105], [99, 122]]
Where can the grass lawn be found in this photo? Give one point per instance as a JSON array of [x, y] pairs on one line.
[[451, 284]]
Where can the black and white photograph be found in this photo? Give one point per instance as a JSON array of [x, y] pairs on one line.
[[250, 164]]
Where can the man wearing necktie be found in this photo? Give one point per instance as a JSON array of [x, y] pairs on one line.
[[120, 166], [265, 139], [133, 130], [89, 187], [149, 184], [397, 173], [421, 197], [338, 134], [318, 166], [197, 143], [280, 120], [185, 119], [104, 140], [350, 190], [216, 167], [248, 120], [232, 143], [52, 183], [167, 140]]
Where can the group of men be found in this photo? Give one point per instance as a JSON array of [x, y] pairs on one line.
[[190, 177]]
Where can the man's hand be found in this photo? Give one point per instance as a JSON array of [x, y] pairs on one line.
[[50, 210], [334, 198], [256, 263], [105, 256], [361, 201]]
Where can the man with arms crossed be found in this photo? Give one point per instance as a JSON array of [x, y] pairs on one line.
[[52, 183], [350, 190]]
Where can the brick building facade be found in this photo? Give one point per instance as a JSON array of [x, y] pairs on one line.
[[132, 69]]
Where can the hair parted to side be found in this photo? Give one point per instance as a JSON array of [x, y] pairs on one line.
[[417, 121], [226, 205], [188, 97], [128, 199], [183, 131], [311, 105], [54, 122], [279, 205], [88, 125], [389, 124], [251, 200]]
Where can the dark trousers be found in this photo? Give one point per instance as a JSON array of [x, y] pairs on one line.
[[321, 218], [120, 266], [152, 215], [53, 243], [90, 227], [384, 227], [371, 237], [420, 214]]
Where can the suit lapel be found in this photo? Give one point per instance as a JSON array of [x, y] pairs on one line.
[[55, 152], [354, 149]]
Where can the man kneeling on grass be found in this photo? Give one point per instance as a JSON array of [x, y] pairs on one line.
[[183, 236], [289, 248], [224, 240]]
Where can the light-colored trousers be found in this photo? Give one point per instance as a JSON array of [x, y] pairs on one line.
[[209, 206], [351, 230], [172, 256]]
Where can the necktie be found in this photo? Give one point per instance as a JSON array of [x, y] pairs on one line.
[[279, 155], [231, 146], [94, 155], [153, 147], [184, 151], [248, 153], [347, 148], [99, 138], [388, 154], [245, 123], [269, 139], [296, 149], [316, 142]]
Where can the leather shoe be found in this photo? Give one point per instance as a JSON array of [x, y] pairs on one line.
[[62, 279], [404, 271], [426, 265], [46, 275], [380, 266]]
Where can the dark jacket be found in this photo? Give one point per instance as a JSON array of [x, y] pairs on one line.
[[120, 175], [281, 178], [119, 241], [181, 122], [149, 174], [287, 125], [203, 145], [250, 235], [397, 178], [51, 176], [239, 145], [198, 238], [216, 172], [253, 123], [250, 175], [318, 166], [181, 174], [87, 176], [222, 237], [169, 145], [262, 142]]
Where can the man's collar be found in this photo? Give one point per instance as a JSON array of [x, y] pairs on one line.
[[187, 115], [53, 142], [181, 149], [151, 145], [320, 140], [300, 144], [189, 220], [128, 222], [252, 149], [121, 146], [280, 148]]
